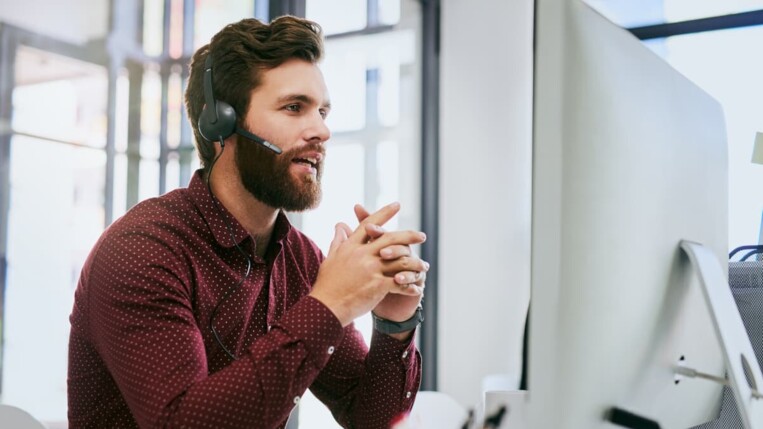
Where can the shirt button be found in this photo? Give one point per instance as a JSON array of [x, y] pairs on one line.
[[405, 354], [407, 395], [331, 350], [296, 399]]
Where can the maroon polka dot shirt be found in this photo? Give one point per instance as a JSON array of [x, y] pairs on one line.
[[142, 354]]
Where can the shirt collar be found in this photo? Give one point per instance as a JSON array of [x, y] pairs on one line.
[[219, 219]]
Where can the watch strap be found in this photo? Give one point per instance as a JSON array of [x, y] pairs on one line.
[[389, 327]]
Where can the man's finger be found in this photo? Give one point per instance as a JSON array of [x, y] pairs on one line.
[[395, 251], [407, 289], [408, 277], [361, 212], [340, 236], [405, 264], [397, 237], [346, 228], [379, 217], [373, 231]]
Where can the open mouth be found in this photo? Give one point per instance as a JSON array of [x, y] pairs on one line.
[[309, 162]]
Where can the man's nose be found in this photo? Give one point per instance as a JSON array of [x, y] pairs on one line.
[[318, 130]]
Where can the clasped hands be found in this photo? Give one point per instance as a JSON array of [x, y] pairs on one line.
[[372, 269]]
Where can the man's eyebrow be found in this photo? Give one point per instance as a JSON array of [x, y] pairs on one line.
[[302, 98]]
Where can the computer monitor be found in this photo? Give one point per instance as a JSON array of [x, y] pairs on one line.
[[629, 161]]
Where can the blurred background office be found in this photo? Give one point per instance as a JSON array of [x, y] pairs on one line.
[[432, 107]]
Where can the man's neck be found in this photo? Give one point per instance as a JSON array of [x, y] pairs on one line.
[[257, 218]]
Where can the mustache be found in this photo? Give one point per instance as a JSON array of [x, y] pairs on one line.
[[310, 147]]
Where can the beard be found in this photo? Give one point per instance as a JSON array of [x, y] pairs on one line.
[[266, 176]]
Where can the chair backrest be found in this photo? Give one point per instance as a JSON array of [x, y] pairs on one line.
[[16, 418]]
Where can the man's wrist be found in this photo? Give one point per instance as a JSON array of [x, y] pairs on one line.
[[390, 327]]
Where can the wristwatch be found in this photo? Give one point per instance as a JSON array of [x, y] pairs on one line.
[[389, 327]]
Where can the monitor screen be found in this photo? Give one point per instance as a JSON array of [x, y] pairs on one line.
[[629, 159]]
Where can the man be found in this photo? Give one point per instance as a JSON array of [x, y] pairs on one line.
[[205, 308]]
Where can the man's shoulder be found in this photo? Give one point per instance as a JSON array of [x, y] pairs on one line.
[[172, 214]]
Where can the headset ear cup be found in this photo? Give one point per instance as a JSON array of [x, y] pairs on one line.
[[214, 126], [226, 119]]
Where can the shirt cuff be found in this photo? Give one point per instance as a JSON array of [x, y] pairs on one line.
[[312, 322], [384, 346], [398, 357]]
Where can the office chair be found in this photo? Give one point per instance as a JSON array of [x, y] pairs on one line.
[[16, 418]]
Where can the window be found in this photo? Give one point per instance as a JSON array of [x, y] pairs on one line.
[[650, 12], [57, 183], [373, 157]]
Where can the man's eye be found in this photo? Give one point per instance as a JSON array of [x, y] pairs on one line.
[[324, 113], [293, 107]]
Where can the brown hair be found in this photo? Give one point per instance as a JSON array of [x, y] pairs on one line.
[[241, 52]]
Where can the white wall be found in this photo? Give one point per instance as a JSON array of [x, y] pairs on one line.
[[485, 191], [74, 21]]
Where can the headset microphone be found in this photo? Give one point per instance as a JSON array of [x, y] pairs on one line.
[[257, 139], [218, 119]]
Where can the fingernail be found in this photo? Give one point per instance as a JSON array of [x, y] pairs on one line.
[[423, 236], [426, 265], [386, 252], [400, 278]]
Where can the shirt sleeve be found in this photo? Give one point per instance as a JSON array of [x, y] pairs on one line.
[[369, 388], [141, 321]]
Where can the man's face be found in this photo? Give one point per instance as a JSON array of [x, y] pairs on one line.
[[288, 109]]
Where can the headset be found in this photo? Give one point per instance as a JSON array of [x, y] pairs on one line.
[[218, 119]]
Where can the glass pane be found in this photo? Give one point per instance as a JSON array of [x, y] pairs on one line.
[[388, 177], [345, 66], [213, 15], [149, 179], [389, 12], [63, 101], [726, 65], [153, 27], [122, 111], [343, 186], [631, 14], [173, 172], [54, 220], [175, 108], [389, 91], [327, 13], [120, 185], [649, 12], [681, 10], [150, 111], [345, 75], [60, 97], [176, 28]]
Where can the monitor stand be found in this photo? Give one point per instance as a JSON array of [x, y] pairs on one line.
[[744, 375], [743, 372]]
